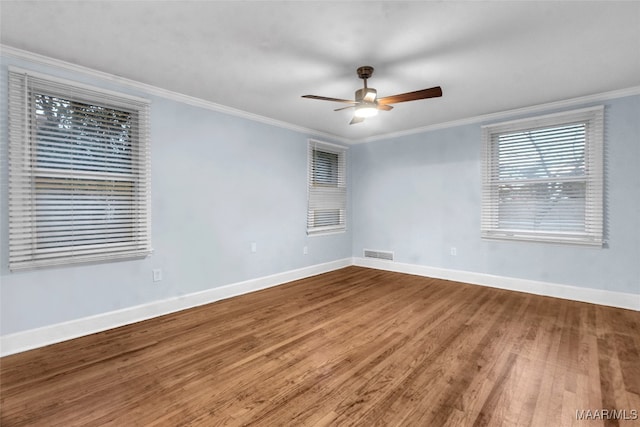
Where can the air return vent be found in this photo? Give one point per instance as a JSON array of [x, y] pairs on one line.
[[378, 254]]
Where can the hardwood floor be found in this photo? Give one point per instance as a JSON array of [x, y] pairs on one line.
[[351, 347]]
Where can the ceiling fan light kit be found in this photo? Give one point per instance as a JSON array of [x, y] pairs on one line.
[[367, 103], [366, 109]]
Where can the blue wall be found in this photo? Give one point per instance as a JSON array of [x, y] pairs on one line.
[[419, 196], [219, 183]]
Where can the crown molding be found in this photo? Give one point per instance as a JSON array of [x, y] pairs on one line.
[[158, 91], [501, 115], [201, 103]]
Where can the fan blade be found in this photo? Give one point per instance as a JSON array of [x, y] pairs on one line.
[[344, 108], [356, 120], [324, 98], [433, 92]]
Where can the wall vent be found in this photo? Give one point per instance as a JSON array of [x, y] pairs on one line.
[[378, 254]]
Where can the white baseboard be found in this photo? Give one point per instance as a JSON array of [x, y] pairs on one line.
[[575, 293], [40, 337]]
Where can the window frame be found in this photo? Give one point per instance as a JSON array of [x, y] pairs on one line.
[[593, 178], [97, 185], [324, 197]]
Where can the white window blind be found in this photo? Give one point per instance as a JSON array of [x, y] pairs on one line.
[[327, 188], [79, 167], [543, 178]]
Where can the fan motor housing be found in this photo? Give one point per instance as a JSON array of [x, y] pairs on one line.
[[362, 93]]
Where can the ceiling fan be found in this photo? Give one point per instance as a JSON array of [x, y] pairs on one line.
[[367, 102]]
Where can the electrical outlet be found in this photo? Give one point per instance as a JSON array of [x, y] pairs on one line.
[[157, 275], [305, 250], [454, 251], [254, 247]]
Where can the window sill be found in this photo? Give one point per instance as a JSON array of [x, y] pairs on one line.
[[325, 232], [557, 240]]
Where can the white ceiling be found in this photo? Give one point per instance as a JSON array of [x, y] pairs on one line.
[[260, 57]]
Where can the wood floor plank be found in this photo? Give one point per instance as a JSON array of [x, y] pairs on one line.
[[352, 347]]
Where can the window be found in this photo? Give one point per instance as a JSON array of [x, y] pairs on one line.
[[543, 178], [327, 188], [79, 171]]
